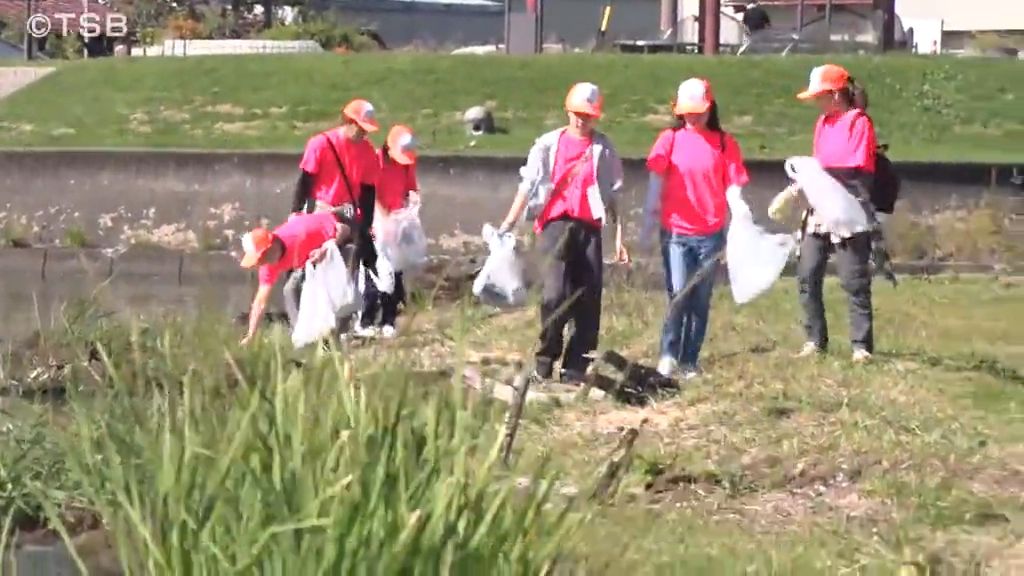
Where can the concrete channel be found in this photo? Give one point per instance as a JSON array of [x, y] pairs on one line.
[[54, 190]]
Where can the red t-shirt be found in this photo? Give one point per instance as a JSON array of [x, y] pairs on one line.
[[394, 182], [358, 157], [696, 174], [569, 197], [301, 234], [845, 141]]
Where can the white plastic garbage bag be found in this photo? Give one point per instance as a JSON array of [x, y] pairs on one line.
[[383, 275], [401, 239], [837, 209], [328, 291], [754, 257], [500, 281]]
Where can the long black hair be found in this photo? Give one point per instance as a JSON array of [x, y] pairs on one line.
[[854, 95], [714, 122]]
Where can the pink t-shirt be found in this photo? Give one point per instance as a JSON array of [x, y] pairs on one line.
[[358, 157], [697, 173], [569, 197], [301, 234], [845, 140], [394, 182]]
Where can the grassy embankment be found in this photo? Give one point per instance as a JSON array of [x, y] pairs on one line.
[[199, 456], [926, 108]]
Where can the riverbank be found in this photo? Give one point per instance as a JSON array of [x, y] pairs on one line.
[[929, 109], [766, 464]]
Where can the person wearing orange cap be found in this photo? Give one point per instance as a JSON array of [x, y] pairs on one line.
[[286, 248], [693, 167], [570, 185], [845, 145], [397, 188], [339, 173]]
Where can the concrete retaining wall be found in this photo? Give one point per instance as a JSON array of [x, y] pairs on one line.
[[461, 193]]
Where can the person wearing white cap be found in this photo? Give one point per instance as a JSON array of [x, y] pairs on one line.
[[693, 167], [397, 188], [570, 186]]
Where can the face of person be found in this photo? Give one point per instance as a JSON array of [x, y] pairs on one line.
[[273, 254], [697, 120], [582, 123], [354, 131], [827, 102]]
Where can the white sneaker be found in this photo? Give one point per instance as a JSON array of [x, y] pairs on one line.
[[809, 349], [691, 372], [861, 356], [388, 332], [667, 366], [367, 332]]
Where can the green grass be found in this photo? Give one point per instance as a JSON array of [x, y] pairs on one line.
[[766, 466], [926, 108]]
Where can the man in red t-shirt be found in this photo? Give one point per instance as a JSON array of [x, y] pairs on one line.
[[287, 248]]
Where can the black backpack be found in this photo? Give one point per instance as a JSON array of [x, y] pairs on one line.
[[887, 183]]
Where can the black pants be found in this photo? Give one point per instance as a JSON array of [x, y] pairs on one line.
[[572, 277], [375, 301], [853, 263]]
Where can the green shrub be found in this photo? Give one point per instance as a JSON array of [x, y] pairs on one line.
[[206, 460], [328, 34]]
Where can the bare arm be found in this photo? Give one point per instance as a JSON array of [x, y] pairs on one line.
[[259, 305], [514, 211]]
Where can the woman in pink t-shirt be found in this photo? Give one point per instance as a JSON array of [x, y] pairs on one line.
[[691, 167], [845, 145]]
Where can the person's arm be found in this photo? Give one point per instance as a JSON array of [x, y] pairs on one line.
[[652, 207], [303, 192], [530, 175], [514, 212], [658, 161], [309, 166], [259, 305]]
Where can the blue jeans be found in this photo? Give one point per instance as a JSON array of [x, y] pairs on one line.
[[691, 264]]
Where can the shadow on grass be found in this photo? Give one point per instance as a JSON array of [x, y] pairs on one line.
[[963, 364]]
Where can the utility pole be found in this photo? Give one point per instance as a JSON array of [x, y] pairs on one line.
[[669, 19], [712, 26], [28, 36]]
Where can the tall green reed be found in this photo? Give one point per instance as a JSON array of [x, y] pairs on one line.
[[205, 460]]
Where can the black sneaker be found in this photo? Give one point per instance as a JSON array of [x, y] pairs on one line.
[[543, 370]]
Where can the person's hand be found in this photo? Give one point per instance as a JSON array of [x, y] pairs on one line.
[[621, 254], [317, 255], [246, 340], [505, 228], [780, 202]]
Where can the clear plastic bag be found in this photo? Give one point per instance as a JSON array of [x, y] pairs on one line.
[[754, 257], [401, 239], [837, 209], [500, 281], [328, 291]]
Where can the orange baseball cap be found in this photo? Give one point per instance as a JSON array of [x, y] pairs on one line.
[[824, 79], [584, 98], [362, 113], [255, 244], [402, 144], [693, 97]]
